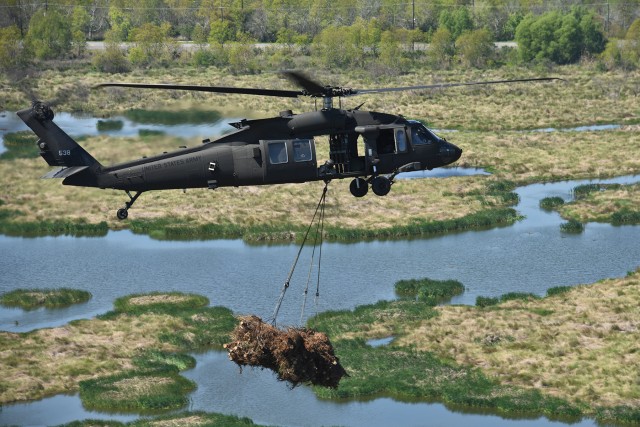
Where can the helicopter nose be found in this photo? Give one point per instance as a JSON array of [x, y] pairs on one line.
[[449, 153]]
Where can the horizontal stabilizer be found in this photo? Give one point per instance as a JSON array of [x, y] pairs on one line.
[[64, 172]]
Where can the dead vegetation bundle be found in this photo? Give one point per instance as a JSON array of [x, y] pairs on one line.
[[297, 355]]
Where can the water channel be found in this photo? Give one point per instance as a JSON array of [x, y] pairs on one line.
[[530, 256]]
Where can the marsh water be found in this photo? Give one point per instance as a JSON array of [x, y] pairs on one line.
[[529, 256]]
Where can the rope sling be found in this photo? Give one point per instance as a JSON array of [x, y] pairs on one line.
[[318, 237]]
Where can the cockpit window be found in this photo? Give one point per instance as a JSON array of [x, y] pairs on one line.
[[421, 135]]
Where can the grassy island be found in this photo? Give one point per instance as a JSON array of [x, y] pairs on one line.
[[568, 355], [50, 298], [611, 203]]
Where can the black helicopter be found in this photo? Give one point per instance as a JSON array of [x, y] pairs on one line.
[[265, 151]]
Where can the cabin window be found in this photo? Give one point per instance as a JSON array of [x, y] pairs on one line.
[[302, 150], [278, 153], [401, 140]]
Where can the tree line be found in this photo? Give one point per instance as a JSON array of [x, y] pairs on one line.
[[335, 34]]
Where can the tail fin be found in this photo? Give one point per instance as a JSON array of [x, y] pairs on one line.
[[56, 147]]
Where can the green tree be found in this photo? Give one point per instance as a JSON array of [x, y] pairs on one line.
[[12, 54], [442, 48], [221, 32], [120, 24], [457, 21], [333, 47], [49, 36], [391, 51], [152, 45], [562, 39], [80, 21], [632, 43], [475, 48]]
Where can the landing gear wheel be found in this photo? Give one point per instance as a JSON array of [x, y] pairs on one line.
[[122, 214], [381, 185], [359, 187]]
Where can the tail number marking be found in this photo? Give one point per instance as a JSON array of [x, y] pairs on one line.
[[64, 153]]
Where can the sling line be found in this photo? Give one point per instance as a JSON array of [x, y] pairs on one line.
[[295, 262]]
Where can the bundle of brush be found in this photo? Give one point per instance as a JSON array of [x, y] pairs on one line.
[[297, 355]]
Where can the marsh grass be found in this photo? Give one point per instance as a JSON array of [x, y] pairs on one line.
[[560, 355], [162, 326], [410, 374], [20, 145], [572, 227], [613, 203], [603, 97], [180, 419], [509, 296], [551, 203], [29, 299], [428, 290], [138, 391], [109, 125]]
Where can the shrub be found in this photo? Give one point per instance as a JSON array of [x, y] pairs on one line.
[[475, 48], [429, 290], [572, 226], [550, 203], [111, 60], [442, 48]]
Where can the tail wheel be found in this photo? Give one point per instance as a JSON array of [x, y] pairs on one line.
[[122, 213], [359, 187], [381, 185]]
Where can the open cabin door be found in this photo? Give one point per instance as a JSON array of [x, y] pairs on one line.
[[289, 160]]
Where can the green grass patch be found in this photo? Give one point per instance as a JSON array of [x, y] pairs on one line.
[[75, 228], [408, 374], [109, 125], [428, 290], [137, 391], [155, 359], [582, 191], [29, 299], [558, 290], [20, 145], [396, 315], [167, 229], [551, 203], [176, 117], [207, 327], [148, 133], [572, 226], [183, 418], [626, 216], [510, 296]]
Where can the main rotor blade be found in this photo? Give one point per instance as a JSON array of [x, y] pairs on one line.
[[311, 88], [446, 85], [214, 89]]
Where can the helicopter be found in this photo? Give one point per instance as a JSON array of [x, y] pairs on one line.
[[267, 151]]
